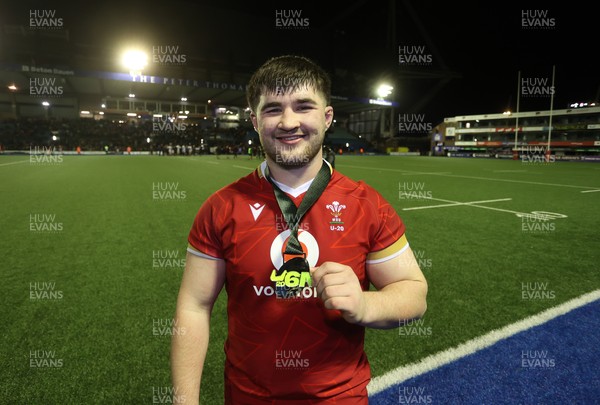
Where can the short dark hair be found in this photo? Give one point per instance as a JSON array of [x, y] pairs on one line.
[[287, 73]]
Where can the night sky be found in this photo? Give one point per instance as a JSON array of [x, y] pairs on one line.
[[473, 49]]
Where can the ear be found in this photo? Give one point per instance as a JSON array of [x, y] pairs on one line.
[[328, 116], [254, 121]]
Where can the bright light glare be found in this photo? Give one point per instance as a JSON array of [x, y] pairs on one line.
[[135, 60], [384, 90]]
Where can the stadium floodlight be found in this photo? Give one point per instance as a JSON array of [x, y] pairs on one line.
[[45, 103], [12, 87], [135, 60], [384, 90], [131, 95]]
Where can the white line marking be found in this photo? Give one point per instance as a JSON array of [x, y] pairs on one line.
[[589, 191], [13, 163], [447, 356], [473, 204], [244, 167], [509, 171], [453, 204], [469, 177]]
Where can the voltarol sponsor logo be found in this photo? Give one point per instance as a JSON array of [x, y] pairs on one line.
[[290, 284]]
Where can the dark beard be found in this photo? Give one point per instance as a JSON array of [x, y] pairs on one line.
[[298, 158]]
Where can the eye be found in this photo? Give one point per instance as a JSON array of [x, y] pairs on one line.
[[272, 110]]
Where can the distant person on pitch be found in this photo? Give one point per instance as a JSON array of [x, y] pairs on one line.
[[296, 245]]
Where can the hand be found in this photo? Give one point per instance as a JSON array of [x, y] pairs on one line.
[[339, 288]]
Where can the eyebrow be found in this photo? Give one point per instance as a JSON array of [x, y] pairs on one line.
[[272, 104]]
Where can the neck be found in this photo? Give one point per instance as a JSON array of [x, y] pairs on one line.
[[295, 177]]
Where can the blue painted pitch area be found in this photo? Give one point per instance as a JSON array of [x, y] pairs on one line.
[[554, 363]]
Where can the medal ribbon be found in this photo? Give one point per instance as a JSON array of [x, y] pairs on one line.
[[293, 215]]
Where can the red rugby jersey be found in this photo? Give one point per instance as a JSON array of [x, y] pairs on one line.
[[284, 346]]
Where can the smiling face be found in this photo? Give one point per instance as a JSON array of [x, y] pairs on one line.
[[291, 125]]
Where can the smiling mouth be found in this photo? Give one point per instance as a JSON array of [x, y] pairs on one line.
[[289, 138]]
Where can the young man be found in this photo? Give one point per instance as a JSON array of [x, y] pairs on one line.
[[296, 245]]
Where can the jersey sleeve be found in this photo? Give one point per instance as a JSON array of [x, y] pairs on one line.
[[204, 239], [389, 239]]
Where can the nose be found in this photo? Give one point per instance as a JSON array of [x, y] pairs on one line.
[[288, 120]]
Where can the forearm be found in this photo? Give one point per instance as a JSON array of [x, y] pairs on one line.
[[188, 352], [402, 300]]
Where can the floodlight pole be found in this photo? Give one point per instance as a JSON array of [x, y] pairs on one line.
[[550, 118], [517, 113]]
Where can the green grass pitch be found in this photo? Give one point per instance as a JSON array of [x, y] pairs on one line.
[[92, 248]]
